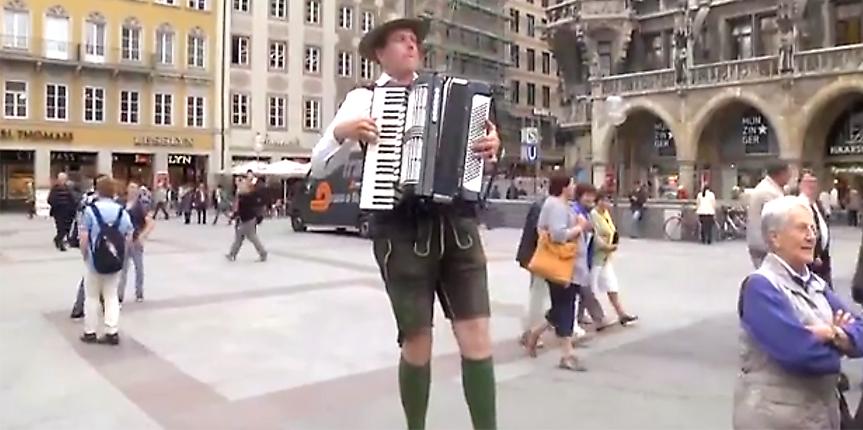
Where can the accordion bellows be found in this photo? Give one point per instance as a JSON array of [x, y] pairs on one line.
[[425, 136]]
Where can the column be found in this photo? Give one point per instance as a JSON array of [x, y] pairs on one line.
[[42, 168], [160, 162], [828, 15], [599, 173], [724, 41], [105, 163], [686, 177]]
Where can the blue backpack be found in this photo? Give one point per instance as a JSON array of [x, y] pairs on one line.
[[109, 248]]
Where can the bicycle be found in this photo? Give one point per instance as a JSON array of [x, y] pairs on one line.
[[678, 227]]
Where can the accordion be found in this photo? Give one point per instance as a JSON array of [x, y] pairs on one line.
[[425, 136]]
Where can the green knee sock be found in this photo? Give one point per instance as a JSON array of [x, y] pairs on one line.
[[414, 384], [477, 379]]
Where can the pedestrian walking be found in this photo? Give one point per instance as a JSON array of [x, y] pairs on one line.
[[31, 200], [855, 202], [821, 262], [221, 203], [63, 205], [562, 225], [186, 203], [247, 222], [161, 199], [86, 200], [105, 234], [142, 226], [538, 300], [705, 208], [770, 188], [585, 199], [200, 203], [603, 278]]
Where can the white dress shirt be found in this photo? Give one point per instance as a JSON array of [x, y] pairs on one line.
[[329, 153]]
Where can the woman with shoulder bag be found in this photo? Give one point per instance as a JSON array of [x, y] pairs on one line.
[[605, 240], [559, 226]]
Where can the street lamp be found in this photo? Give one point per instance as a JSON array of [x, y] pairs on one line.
[[259, 146]]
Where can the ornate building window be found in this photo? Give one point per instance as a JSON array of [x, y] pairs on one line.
[[165, 44], [130, 40]]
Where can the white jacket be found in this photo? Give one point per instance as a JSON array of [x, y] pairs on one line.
[[706, 203]]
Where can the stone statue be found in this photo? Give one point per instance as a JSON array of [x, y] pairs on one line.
[[785, 24]]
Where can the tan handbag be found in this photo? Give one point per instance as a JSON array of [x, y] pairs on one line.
[[553, 261]]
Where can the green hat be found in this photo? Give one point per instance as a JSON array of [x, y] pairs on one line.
[[377, 37]]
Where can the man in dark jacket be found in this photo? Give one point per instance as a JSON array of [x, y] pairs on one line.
[[637, 200], [63, 206], [538, 301]]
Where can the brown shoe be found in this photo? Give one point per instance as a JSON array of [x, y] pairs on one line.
[[572, 364]]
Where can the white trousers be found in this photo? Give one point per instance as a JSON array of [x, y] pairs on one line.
[[98, 285], [603, 279], [538, 303]]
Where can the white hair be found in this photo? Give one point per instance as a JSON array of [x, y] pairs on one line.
[[775, 213]]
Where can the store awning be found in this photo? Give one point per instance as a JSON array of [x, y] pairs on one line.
[[288, 169], [255, 166]]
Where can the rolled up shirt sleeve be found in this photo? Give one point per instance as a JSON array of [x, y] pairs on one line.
[[854, 330], [768, 317], [329, 153], [558, 223]]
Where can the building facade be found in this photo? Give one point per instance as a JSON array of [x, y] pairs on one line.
[[289, 65], [532, 77], [713, 90], [468, 38], [118, 87]]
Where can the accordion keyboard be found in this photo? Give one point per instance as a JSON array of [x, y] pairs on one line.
[[382, 166], [473, 166]]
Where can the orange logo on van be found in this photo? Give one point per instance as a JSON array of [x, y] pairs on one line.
[[323, 198]]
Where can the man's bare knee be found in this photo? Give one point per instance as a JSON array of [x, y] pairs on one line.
[[417, 347], [474, 339]]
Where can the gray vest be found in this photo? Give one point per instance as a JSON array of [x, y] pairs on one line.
[[767, 396]]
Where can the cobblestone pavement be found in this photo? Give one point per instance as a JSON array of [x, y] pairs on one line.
[[307, 341]]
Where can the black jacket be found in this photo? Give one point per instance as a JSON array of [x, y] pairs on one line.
[[62, 201], [529, 236]]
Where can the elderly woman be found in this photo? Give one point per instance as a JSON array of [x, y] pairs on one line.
[[795, 331]]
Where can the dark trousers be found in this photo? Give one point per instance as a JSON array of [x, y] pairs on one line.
[[561, 316], [852, 218], [62, 224], [706, 228], [202, 215], [824, 271], [160, 206], [187, 217]]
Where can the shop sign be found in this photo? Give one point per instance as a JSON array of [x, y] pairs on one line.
[[164, 141], [16, 155], [74, 157], [754, 133], [853, 143], [180, 159], [36, 135], [663, 140]]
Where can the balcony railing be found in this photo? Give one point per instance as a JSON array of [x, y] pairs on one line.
[[837, 60], [91, 56], [579, 112], [750, 69], [603, 8], [563, 12], [641, 82]]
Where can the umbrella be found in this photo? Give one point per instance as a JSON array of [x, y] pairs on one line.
[[288, 168], [254, 166]]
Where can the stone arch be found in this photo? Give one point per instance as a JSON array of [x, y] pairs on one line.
[[815, 105], [602, 146], [737, 95]]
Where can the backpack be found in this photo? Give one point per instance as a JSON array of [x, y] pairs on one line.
[[109, 249]]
